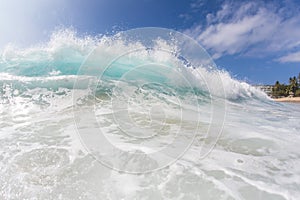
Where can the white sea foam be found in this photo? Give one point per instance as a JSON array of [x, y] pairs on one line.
[[41, 155]]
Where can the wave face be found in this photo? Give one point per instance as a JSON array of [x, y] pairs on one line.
[[46, 99]]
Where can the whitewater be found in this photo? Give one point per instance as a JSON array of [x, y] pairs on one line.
[[139, 115]]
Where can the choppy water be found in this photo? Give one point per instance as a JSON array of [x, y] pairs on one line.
[[54, 130]]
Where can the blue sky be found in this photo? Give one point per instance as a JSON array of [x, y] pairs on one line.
[[256, 41]]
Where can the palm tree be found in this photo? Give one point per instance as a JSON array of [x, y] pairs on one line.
[[293, 86], [295, 82], [275, 89], [288, 90]]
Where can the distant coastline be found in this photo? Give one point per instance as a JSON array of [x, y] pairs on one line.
[[288, 99], [281, 92]]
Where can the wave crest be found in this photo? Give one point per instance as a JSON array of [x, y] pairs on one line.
[[65, 52]]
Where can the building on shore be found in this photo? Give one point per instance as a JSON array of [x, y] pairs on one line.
[[265, 88]]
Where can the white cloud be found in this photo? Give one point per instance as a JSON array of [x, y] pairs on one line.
[[293, 57], [197, 4], [249, 29]]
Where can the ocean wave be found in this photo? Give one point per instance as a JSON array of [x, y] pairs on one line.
[[62, 57], [138, 109]]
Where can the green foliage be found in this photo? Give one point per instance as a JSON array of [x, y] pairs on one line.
[[297, 94], [282, 90], [279, 90]]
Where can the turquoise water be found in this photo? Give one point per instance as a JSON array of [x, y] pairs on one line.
[[157, 118]]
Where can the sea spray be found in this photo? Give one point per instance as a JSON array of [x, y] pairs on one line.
[[41, 155]]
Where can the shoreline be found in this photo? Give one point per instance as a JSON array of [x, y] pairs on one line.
[[288, 99]]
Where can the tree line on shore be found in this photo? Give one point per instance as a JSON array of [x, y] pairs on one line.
[[292, 89]]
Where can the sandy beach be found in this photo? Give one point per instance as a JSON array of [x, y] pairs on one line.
[[288, 99]]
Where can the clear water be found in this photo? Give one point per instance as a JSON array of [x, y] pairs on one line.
[[42, 156]]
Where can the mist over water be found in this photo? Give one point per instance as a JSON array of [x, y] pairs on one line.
[[167, 110]]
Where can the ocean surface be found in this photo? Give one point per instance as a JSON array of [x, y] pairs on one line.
[[132, 122]]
